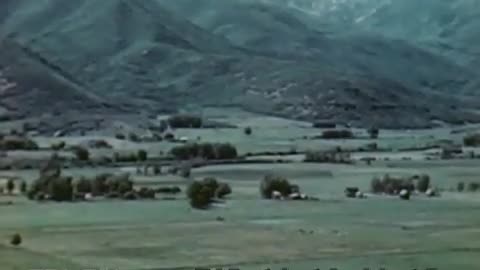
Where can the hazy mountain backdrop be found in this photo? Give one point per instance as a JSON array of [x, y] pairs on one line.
[[393, 63]]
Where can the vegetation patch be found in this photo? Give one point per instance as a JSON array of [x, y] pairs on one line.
[[202, 193]]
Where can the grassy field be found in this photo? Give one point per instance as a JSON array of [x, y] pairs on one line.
[[376, 232]]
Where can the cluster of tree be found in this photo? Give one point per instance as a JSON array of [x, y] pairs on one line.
[[337, 134], [274, 183], [202, 193], [471, 187], [185, 121], [10, 187], [9, 143], [207, 151], [140, 155], [327, 157], [394, 185], [472, 140]]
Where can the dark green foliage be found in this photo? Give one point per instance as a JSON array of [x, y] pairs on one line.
[[205, 150], [392, 185], [142, 155], [58, 146], [100, 144], [185, 171], [120, 183], [472, 140], [351, 192], [99, 184], [423, 183], [60, 189], [132, 157], [146, 193], [17, 143], [373, 132], [83, 185], [473, 187], [223, 190], [157, 170], [120, 136], [168, 190], [202, 193], [247, 131], [272, 183], [16, 240], [337, 134], [130, 195], [460, 187], [327, 157], [133, 137], [81, 153], [185, 121], [324, 125], [23, 187], [10, 186]]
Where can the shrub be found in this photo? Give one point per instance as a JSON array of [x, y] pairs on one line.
[[247, 131], [99, 144], [211, 182], [460, 187], [200, 195], [61, 189], [373, 132], [142, 155], [205, 150], [83, 185], [130, 195], [16, 240], [337, 134], [473, 187], [327, 157], [170, 190], [58, 146], [133, 137], [272, 183], [185, 121], [120, 183], [146, 193], [472, 140], [423, 183], [120, 136], [324, 125], [23, 187], [82, 153], [10, 186], [223, 190], [391, 185], [17, 143], [99, 184]]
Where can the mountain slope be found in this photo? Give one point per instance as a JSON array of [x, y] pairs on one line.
[[29, 86], [149, 57]]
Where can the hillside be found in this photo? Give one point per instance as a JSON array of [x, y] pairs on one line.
[[154, 57]]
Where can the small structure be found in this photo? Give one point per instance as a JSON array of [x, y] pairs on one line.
[[404, 194]]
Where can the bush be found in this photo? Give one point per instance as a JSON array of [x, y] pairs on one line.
[[423, 183], [133, 137], [200, 195], [146, 193], [472, 140], [99, 184], [81, 153], [83, 185], [460, 187], [223, 190], [17, 143], [206, 150], [247, 131], [120, 183], [373, 132], [272, 183], [16, 240], [23, 187], [142, 155], [58, 146], [473, 187], [391, 185], [168, 190], [337, 134], [185, 121], [324, 125], [10, 186], [120, 136], [61, 189]]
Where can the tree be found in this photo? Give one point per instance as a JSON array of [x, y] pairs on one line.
[[23, 187], [373, 132], [271, 183], [61, 189], [247, 131], [200, 195], [10, 186], [423, 183], [142, 155], [16, 239], [82, 153], [223, 190], [460, 187]]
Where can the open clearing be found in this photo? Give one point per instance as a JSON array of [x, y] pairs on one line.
[[376, 232]]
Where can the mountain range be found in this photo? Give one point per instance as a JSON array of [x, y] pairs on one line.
[[386, 63]]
